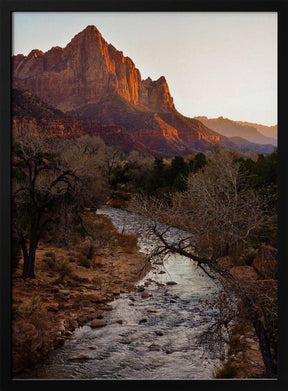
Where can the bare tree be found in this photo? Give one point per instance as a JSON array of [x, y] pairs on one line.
[[217, 213], [47, 180]]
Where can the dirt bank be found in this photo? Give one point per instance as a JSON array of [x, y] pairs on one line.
[[68, 291]]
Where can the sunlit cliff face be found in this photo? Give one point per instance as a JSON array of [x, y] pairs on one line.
[[91, 80], [87, 69]]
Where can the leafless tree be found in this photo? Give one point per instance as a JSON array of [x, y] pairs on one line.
[[48, 179], [217, 213]]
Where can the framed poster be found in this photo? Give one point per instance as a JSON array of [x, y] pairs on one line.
[[140, 149]]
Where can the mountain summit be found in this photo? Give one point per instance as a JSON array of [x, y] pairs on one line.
[[91, 80], [87, 70]]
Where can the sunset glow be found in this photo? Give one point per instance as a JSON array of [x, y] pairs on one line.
[[215, 63]]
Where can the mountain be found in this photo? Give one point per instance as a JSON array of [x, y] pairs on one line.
[[89, 86], [85, 71], [231, 128], [91, 80], [244, 145], [268, 131], [31, 114]]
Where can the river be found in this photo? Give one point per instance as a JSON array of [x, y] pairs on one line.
[[158, 337]]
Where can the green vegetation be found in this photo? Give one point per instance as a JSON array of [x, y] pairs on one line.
[[227, 201], [228, 208], [160, 178], [84, 262]]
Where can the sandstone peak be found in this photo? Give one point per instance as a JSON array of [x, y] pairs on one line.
[[91, 28], [35, 53], [87, 70], [89, 32], [161, 79]]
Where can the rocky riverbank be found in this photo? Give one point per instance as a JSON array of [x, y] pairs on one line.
[[66, 294], [71, 290], [259, 280]]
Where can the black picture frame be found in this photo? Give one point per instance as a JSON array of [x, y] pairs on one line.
[[9, 6]]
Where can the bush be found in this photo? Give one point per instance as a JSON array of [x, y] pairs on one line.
[[51, 255], [63, 268], [96, 280], [84, 262], [50, 260], [33, 310], [88, 250]]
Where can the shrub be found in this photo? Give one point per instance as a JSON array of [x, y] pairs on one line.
[[33, 310], [51, 255], [88, 250], [49, 262], [84, 262], [96, 280], [63, 268]]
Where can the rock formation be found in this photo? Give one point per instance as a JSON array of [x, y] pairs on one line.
[[90, 80], [85, 71]]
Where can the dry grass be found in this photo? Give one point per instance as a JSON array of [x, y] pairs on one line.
[[39, 309]]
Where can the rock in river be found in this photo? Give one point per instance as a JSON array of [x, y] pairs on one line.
[[97, 323]]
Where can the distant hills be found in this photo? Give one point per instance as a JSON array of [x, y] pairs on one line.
[[254, 133], [89, 86], [268, 131]]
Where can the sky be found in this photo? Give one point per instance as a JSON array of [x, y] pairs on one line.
[[215, 63]]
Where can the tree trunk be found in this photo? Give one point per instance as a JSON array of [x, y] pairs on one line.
[[263, 339], [264, 347], [29, 265], [29, 257]]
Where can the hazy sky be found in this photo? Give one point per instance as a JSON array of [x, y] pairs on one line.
[[215, 63]]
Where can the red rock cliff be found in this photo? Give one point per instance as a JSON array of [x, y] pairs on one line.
[[87, 69]]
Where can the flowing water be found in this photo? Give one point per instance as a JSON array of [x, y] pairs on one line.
[[158, 337]]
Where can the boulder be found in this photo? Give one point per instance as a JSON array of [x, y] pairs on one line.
[[144, 295], [95, 298], [64, 292], [107, 307], [244, 273], [265, 262], [96, 323]]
